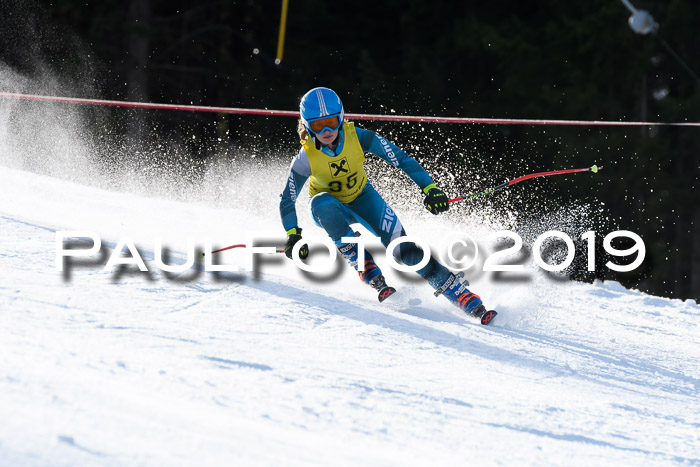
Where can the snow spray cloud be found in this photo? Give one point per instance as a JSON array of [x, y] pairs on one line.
[[92, 146], [38, 137]]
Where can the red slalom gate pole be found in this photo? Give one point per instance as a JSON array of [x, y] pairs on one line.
[[593, 169], [241, 245], [230, 247]]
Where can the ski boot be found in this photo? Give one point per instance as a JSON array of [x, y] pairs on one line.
[[379, 284], [455, 290], [371, 274]]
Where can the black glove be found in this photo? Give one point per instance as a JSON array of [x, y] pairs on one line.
[[435, 199], [293, 236]]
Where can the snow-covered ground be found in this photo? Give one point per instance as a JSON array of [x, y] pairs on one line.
[[99, 367]]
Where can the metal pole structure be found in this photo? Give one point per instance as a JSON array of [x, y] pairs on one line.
[[629, 6], [643, 23], [283, 30]]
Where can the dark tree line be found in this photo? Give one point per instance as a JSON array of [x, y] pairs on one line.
[[510, 59]]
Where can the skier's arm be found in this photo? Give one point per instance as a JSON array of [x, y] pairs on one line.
[[299, 172], [376, 144]]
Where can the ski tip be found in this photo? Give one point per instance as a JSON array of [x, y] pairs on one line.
[[385, 293], [487, 317], [595, 168]]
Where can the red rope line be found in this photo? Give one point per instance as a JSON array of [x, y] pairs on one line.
[[291, 113]]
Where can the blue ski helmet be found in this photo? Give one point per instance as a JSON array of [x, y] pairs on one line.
[[321, 109]]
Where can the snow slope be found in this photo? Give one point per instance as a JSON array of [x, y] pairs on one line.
[[101, 368]]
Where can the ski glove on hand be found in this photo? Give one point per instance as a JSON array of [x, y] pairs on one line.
[[435, 199], [293, 236]]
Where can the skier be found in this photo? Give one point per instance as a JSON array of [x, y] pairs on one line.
[[332, 159]]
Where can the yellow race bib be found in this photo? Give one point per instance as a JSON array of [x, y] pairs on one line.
[[343, 176]]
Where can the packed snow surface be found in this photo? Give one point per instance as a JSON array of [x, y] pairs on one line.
[[277, 367]]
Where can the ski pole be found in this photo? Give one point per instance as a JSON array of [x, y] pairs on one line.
[[230, 247], [593, 169]]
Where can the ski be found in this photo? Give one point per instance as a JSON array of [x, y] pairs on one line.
[[385, 293], [487, 317], [484, 315], [379, 284]]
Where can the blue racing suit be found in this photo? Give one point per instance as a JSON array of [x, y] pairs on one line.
[[368, 208]]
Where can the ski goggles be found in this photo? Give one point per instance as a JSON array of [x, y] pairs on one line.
[[326, 123]]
